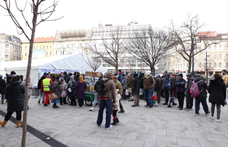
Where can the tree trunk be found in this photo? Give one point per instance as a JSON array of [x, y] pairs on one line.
[[23, 141], [189, 65], [116, 69], [152, 69]]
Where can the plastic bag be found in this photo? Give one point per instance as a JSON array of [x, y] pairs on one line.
[[141, 91], [126, 92], [63, 94]]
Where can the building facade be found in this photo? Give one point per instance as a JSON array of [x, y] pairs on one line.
[[10, 48], [42, 48], [126, 61], [72, 42], [217, 58]]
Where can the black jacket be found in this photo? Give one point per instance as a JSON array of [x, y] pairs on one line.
[[217, 90], [189, 84], [202, 86], [158, 84], [15, 96], [40, 82], [2, 86], [8, 78], [136, 85]]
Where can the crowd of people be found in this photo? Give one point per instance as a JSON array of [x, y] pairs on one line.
[[113, 89]]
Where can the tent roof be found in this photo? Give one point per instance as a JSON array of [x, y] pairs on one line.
[[67, 62]]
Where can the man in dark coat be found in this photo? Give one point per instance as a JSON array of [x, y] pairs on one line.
[[2, 88], [189, 99], [180, 84], [157, 87], [202, 97], [9, 77], [136, 89], [167, 75]]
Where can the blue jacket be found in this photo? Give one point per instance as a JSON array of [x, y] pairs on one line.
[[180, 84], [120, 77]]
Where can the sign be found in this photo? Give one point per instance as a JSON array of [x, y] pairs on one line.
[[38, 54], [207, 34]]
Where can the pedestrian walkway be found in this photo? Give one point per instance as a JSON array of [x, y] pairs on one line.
[[138, 127]]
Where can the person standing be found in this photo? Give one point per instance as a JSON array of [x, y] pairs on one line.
[[172, 91], [225, 80], [115, 108], [136, 90], [56, 89], [119, 86], [80, 88], [149, 83], [157, 87], [217, 90], [129, 85], [45, 88], [15, 97], [202, 97], [71, 91], [124, 85], [63, 92], [2, 88], [189, 99], [41, 93], [166, 78], [180, 84], [106, 101]]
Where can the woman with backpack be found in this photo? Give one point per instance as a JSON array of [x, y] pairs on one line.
[[80, 87], [217, 90], [202, 97]]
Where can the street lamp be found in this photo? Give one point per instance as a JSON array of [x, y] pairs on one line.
[[192, 49], [206, 68]]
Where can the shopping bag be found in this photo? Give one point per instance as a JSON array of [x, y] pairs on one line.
[[141, 91], [63, 94], [126, 92], [53, 96]]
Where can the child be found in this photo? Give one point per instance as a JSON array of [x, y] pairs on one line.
[[155, 98], [115, 108]]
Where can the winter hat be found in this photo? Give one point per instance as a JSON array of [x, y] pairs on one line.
[[147, 74], [135, 75], [189, 75], [180, 75], [62, 79], [13, 72]]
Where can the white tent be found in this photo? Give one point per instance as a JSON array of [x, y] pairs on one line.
[[68, 63]]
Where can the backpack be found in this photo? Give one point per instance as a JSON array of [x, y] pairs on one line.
[[167, 85], [194, 90], [101, 88]]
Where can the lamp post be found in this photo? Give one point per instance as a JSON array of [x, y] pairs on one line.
[[192, 49], [206, 69]]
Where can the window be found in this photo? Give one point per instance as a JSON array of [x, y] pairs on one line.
[[50, 46], [50, 53], [47, 46], [25, 54], [226, 47], [220, 56], [215, 47], [40, 47], [47, 53], [7, 45], [220, 65], [209, 56], [219, 47], [43, 47], [226, 64], [209, 47], [200, 65], [56, 52], [214, 65], [199, 47], [63, 52], [226, 56], [215, 56], [6, 56]]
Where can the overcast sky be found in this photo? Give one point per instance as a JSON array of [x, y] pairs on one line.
[[85, 14]]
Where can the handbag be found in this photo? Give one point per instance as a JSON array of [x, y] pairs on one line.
[[53, 96], [141, 91]]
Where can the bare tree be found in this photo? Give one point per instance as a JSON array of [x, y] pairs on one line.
[[110, 49], [38, 16], [203, 66], [183, 38], [149, 46], [94, 64]]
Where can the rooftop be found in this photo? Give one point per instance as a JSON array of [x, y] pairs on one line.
[[44, 39]]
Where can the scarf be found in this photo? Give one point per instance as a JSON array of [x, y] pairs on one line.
[[81, 79]]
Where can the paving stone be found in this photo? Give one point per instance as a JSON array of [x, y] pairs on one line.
[[92, 139], [127, 135], [166, 139], [132, 143], [112, 142], [175, 133], [146, 137], [216, 137], [188, 142], [152, 144]]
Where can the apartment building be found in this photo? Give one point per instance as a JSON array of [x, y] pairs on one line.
[[10, 48]]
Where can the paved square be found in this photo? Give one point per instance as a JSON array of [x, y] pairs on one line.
[[138, 127]]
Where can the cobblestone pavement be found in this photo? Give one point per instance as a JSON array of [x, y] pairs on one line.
[[138, 127]]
